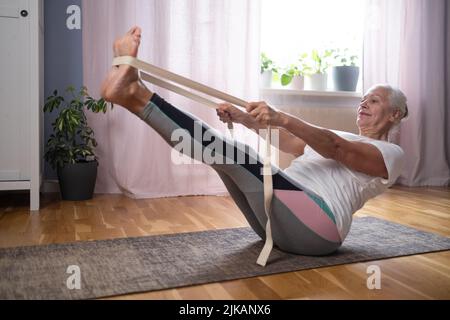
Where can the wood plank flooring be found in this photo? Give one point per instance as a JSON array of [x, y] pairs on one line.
[[424, 276]]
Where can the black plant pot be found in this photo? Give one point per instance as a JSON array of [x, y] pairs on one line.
[[77, 181], [345, 78]]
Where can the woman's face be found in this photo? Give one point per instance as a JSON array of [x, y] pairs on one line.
[[375, 113]]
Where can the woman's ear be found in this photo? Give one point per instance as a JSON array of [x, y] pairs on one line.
[[396, 116]]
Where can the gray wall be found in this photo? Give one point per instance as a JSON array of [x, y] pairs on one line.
[[63, 57]]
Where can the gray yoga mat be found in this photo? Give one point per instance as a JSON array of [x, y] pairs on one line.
[[125, 266]]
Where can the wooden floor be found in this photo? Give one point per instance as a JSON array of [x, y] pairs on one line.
[[424, 276]]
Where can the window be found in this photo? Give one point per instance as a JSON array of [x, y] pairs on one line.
[[292, 27]]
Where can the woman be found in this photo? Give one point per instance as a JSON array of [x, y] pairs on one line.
[[334, 174]]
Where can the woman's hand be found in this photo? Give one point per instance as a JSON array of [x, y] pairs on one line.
[[264, 114], [229, 113]]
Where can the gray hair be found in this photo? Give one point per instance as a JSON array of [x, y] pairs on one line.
[[397, 100]]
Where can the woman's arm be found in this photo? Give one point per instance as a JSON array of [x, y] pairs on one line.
[[288, 142], [361, 157]]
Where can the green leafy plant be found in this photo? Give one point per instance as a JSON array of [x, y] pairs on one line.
[[72, 140], [344, 57], [267, 64], [289, 74], [299, 69], [320, 61]]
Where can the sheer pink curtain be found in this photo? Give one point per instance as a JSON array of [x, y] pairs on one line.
[[215, 42], [406, 45]]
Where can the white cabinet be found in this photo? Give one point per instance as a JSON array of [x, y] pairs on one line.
[[21, 96]]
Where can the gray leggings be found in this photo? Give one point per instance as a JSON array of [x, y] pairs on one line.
[[296, 227]]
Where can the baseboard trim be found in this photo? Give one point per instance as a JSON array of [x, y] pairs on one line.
[[52, 186]]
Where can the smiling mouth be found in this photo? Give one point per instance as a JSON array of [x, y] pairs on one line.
[[364, 114]]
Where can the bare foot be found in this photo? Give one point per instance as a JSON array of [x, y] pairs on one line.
[[128, 45], [122, 85]]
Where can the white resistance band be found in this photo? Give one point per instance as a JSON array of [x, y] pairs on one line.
[[267, 171]]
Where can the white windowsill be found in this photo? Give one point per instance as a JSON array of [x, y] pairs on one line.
[[280, 97], [311, 93]]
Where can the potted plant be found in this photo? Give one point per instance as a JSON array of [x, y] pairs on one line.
[[70, 149], [319, 63], [294, 76], [345, 71], [268, 68]]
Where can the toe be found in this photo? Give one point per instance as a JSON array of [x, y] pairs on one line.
[[137, 32], [137, 38], [132, 30]]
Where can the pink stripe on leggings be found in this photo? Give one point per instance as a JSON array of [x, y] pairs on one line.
[[309, 213]]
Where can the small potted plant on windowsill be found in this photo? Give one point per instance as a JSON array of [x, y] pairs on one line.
[[294, 76], [319, 63], [268, 69], [70, 149], [345, 70]]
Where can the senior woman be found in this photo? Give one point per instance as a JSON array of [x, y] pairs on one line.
[[344, 169], [334, 174]]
